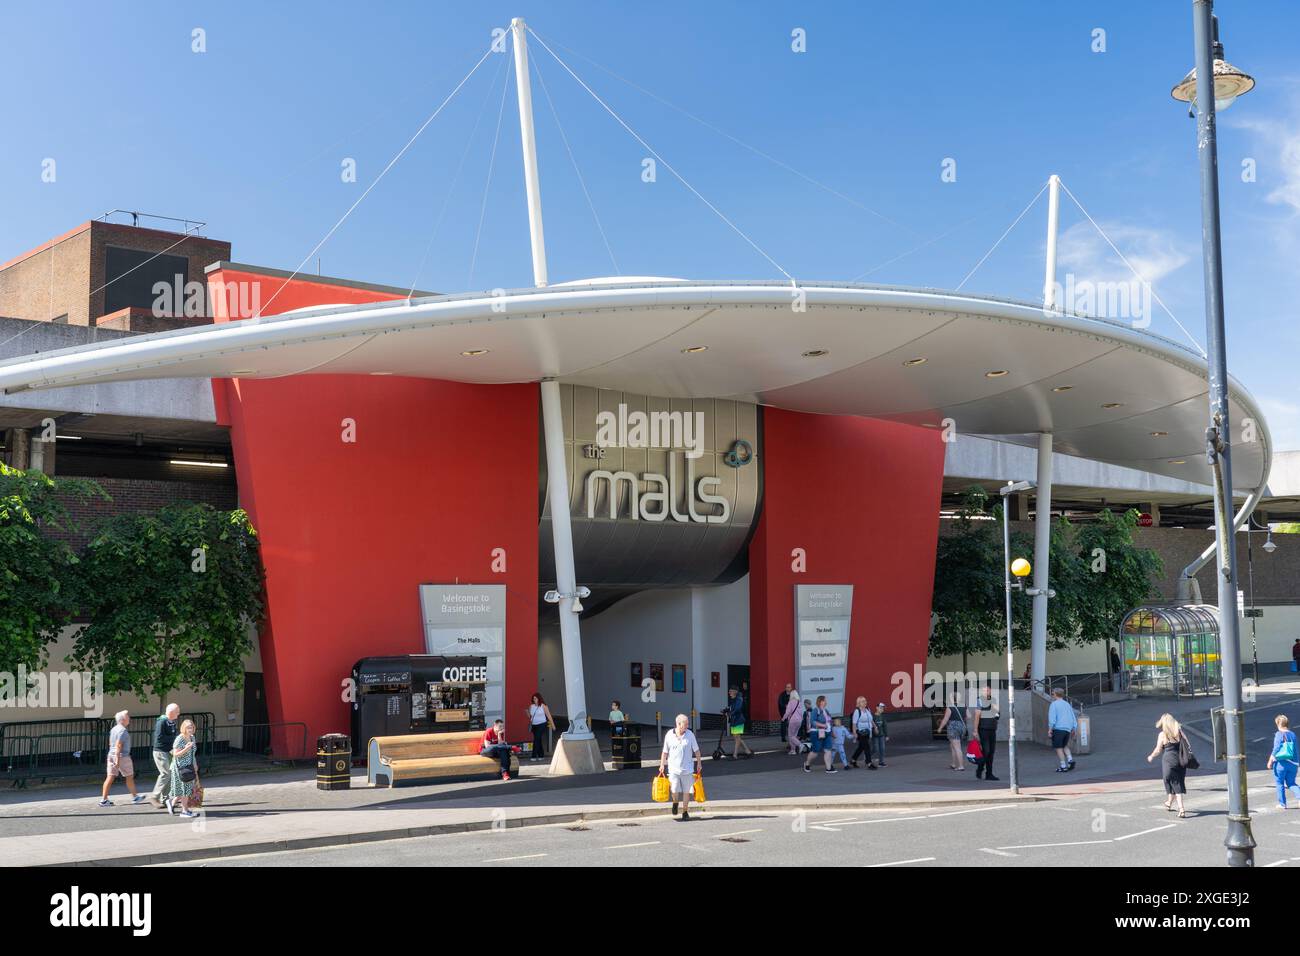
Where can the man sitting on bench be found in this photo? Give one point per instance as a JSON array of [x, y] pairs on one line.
[[494, 745]]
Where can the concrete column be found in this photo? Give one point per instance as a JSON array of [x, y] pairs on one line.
[[18, 442], [42, 455], [1153, 509], [576, 751], [1042, 549], [1018, 507]]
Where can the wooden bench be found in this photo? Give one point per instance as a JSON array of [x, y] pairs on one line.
[[446, 756]]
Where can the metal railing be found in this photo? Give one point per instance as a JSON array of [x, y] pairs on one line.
[[90, 733], [42, 756]]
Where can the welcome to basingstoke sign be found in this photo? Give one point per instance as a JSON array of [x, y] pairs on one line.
[[469, 620]]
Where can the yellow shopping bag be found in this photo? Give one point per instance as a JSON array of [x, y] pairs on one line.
[[698, 794], [659, 789]]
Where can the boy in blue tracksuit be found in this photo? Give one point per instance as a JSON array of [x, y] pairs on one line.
[[839, 734]]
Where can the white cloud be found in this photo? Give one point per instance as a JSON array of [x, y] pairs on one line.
[[1283, 422], [1280, 140], [1154, 254]]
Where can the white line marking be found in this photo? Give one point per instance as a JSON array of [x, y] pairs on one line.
[[506, 859], [854, 823], [827, 823], [1278, 863], [919, 859], [953, 813], [736, 833], [627, 846], [985, 849], [1258, 739], [1129, 836], [1040, 846]]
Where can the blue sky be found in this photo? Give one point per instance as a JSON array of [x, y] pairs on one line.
[[251, 136]]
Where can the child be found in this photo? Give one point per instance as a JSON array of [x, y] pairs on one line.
[[881, 733], [839, 734]]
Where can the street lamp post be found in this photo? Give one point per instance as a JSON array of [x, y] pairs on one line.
[[1021, 569], [1216, 80]]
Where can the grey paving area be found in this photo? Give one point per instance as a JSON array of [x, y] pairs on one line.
[[1121, 829], [276, 812]]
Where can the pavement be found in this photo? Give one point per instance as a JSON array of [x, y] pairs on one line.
[[282, 812]]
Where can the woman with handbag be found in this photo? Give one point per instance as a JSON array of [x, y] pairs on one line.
[[539, 721], [1175, 759], [955, 723], [185, 770], [819, 733], [1282, 760]]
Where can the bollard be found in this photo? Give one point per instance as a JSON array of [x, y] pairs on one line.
[[695, 719], [659, 726]]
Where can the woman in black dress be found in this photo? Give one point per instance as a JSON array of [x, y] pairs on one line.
[[1172, 770]]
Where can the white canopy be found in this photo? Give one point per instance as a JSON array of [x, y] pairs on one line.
[[991, 367]]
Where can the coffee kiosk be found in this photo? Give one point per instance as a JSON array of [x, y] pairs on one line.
[[417, 694]]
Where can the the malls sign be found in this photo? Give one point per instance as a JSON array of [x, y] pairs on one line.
[[660, 501]]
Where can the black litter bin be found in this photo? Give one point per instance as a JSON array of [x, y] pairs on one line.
[[334, 762], [626, 740]]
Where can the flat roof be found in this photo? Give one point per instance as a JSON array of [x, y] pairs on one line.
[[992, 367]]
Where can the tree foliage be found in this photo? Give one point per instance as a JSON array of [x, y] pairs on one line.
[[1096, 570], [169, 597], [36, 567]]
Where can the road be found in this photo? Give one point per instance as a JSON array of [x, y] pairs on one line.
[[1109, 829]]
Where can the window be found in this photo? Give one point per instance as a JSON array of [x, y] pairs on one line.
[[130, 276]]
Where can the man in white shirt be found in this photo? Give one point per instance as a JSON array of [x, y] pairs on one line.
[[681, 761]]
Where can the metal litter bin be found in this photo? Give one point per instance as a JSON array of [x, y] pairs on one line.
[[626, 741], [334, 762]]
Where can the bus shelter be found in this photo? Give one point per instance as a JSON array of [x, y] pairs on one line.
[[1172, 650]]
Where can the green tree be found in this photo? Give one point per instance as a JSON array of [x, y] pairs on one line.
[[1115, 576], [1096, 570], [969, 596], [35, 566], [170, 597]]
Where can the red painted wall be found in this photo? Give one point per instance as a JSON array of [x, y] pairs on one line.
[[861, 497], [440, 474]]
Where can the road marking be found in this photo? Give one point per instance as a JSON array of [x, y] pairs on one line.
[[506, 859], [628, 846], [736, 833], [1041, 846], [919, 859], [985, 849], [1258, 739], [827, 823], [1128, 836], [854, 823], [831, 825], [953, 813], [1278, 863]]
